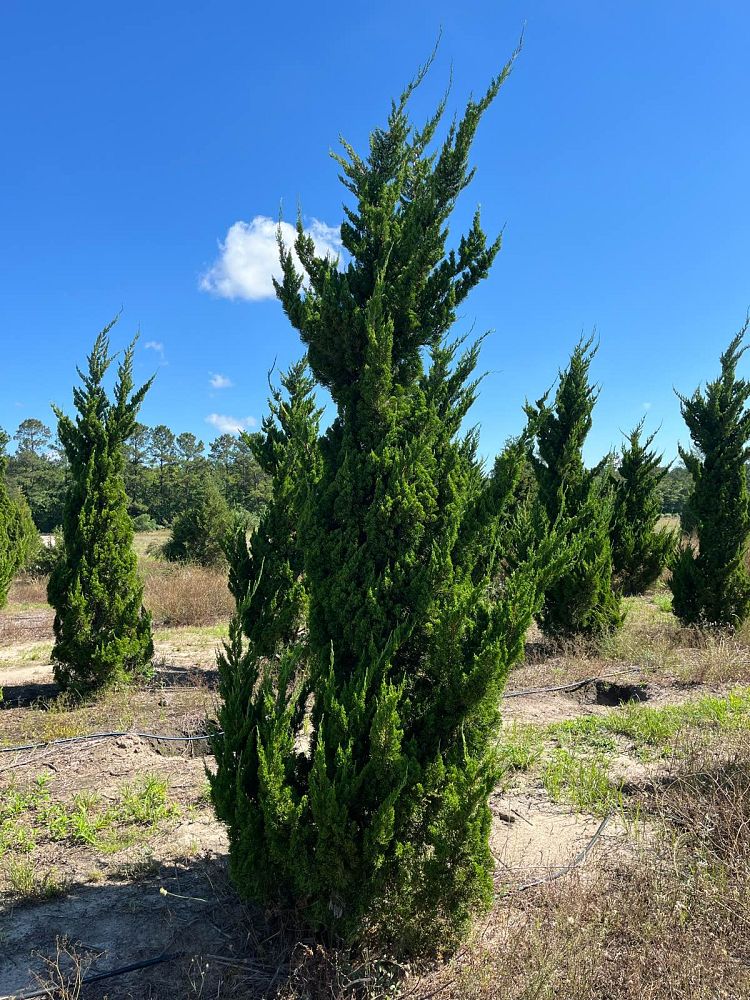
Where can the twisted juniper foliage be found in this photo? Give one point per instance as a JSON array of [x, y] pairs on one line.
[[384, 819], [640, 550], [102, 632], [712, 586], [582, 601]]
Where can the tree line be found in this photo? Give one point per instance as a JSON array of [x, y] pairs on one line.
[[159, 468], [388, 586]]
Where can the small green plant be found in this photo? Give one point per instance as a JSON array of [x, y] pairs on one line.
[[585, 783]]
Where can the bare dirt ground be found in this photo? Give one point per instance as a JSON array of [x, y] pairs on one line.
[[115, 849]]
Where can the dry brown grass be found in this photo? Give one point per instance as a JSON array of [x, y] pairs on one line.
[[670, 923], [28, 591], [182, 594]]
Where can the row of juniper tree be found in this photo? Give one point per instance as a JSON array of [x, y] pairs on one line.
[[390, 583]]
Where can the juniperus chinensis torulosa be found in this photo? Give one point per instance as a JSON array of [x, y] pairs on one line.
[[201, 529], [639, 549], [266, 574], [102, 632], [712, 586], [18, 536], [384, 820], [582, 601]]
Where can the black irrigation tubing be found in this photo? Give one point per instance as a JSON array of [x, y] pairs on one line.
[[523, 693], [575, 863], [97, 977], [108, 736], [572, 686]]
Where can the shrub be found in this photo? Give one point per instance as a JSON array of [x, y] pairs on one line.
[[266, 574], [712, 585], [639, 550], [200, 530], [385, 821], [19, 539], [583, 600], [102, 632]]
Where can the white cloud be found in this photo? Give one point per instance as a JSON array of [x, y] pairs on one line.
[[220, 381], [158, 347], [647, 406], [249, 257], [230, 425]]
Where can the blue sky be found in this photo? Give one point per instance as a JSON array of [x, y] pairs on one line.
[[136, 135]]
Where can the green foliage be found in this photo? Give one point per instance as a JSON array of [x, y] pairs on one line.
[[384, 820], [639, 550], [266, 575], [19, 540], [582, 601], [200, 531], [712, 585], [674, 489], [102, 632]]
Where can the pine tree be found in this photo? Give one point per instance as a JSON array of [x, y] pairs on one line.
[[640, 551], [385, 820], [583, 600], [102, 632], [712, 586], [200, 531]]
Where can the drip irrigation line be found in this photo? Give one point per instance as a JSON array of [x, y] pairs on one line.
[[67, 741], [109, 736], [97, 977], [579, 860], [572, 686]]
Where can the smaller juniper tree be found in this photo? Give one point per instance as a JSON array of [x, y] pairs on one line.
[[581, 601], [102, 632], [19, 539], [266, 579], [199, 533], [265, 576], [712, 586], [639, 549]]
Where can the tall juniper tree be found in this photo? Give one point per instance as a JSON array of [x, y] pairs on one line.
[[102, 632], [712, 586], [640, 550], [385, 819], [583, 600]]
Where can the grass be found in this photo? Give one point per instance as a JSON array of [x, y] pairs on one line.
[[179, 594], [654, 731], [29, 817]]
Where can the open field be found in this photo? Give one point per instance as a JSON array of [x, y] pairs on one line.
[[110, 853]]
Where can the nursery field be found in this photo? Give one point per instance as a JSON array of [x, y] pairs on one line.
[[621, 825]]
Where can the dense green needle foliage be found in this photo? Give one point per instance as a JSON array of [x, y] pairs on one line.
[[712, 586], [583, 600], [200, 531], [266, 575], [381, 816], [102, 632], [19, 539], [639, 549]]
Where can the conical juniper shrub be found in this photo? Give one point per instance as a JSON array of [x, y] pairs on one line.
[[266, 575], [384, 821], [263, 658], [711, 586], [102, 632], [640, 550], [582, 601], [200, 530], [18, 536]]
